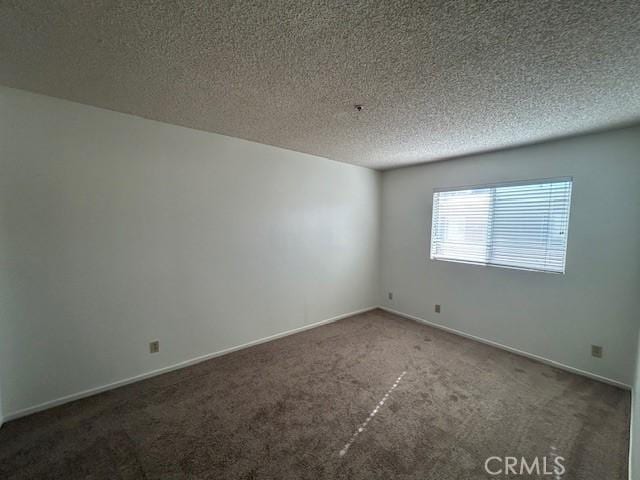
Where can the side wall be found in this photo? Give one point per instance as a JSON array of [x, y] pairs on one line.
[[116, 231], [557, 317]]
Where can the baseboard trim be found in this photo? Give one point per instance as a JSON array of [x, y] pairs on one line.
[[522, 353], [120, 383]]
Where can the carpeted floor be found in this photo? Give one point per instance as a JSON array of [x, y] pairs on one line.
[[288, 409]]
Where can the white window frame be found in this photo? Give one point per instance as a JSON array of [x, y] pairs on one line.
[[497, 185]]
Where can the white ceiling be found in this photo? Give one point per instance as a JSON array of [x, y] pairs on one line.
[[438, 79]]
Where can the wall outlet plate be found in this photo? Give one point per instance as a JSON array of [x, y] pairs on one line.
[[437, 308], [154, 347], [596, 351]]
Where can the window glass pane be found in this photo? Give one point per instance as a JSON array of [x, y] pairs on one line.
[[461, 228]]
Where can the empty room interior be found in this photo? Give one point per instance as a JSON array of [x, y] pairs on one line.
[[320, 239]]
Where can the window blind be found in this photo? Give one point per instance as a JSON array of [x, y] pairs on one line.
[[515, 225]]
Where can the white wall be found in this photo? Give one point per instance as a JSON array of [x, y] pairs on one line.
[[116, 231], [554, 316]]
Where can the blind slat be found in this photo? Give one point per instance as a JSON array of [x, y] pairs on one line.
[[521, 225]]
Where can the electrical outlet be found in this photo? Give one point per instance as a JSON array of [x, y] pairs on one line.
[[154, 347], [596, 351], [390, 295], [437, 308]]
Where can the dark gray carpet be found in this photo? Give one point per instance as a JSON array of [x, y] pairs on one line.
[[285, 410]]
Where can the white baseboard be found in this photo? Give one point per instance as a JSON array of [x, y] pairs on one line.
[[532, 356], [94, 391]]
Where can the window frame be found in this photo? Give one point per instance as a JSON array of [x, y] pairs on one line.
[[510, 183]]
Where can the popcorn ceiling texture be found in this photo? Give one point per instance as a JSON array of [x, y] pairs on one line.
[[438, 79]]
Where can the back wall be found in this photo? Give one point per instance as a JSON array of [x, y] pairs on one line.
[[557, 317]]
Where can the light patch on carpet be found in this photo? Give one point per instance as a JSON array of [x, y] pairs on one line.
[[363, 425]]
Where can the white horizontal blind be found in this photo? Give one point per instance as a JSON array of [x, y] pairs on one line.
[[518, 225]]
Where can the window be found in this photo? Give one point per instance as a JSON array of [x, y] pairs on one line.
[[520, 225]]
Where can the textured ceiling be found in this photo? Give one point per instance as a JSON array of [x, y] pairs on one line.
[[438, 79]]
